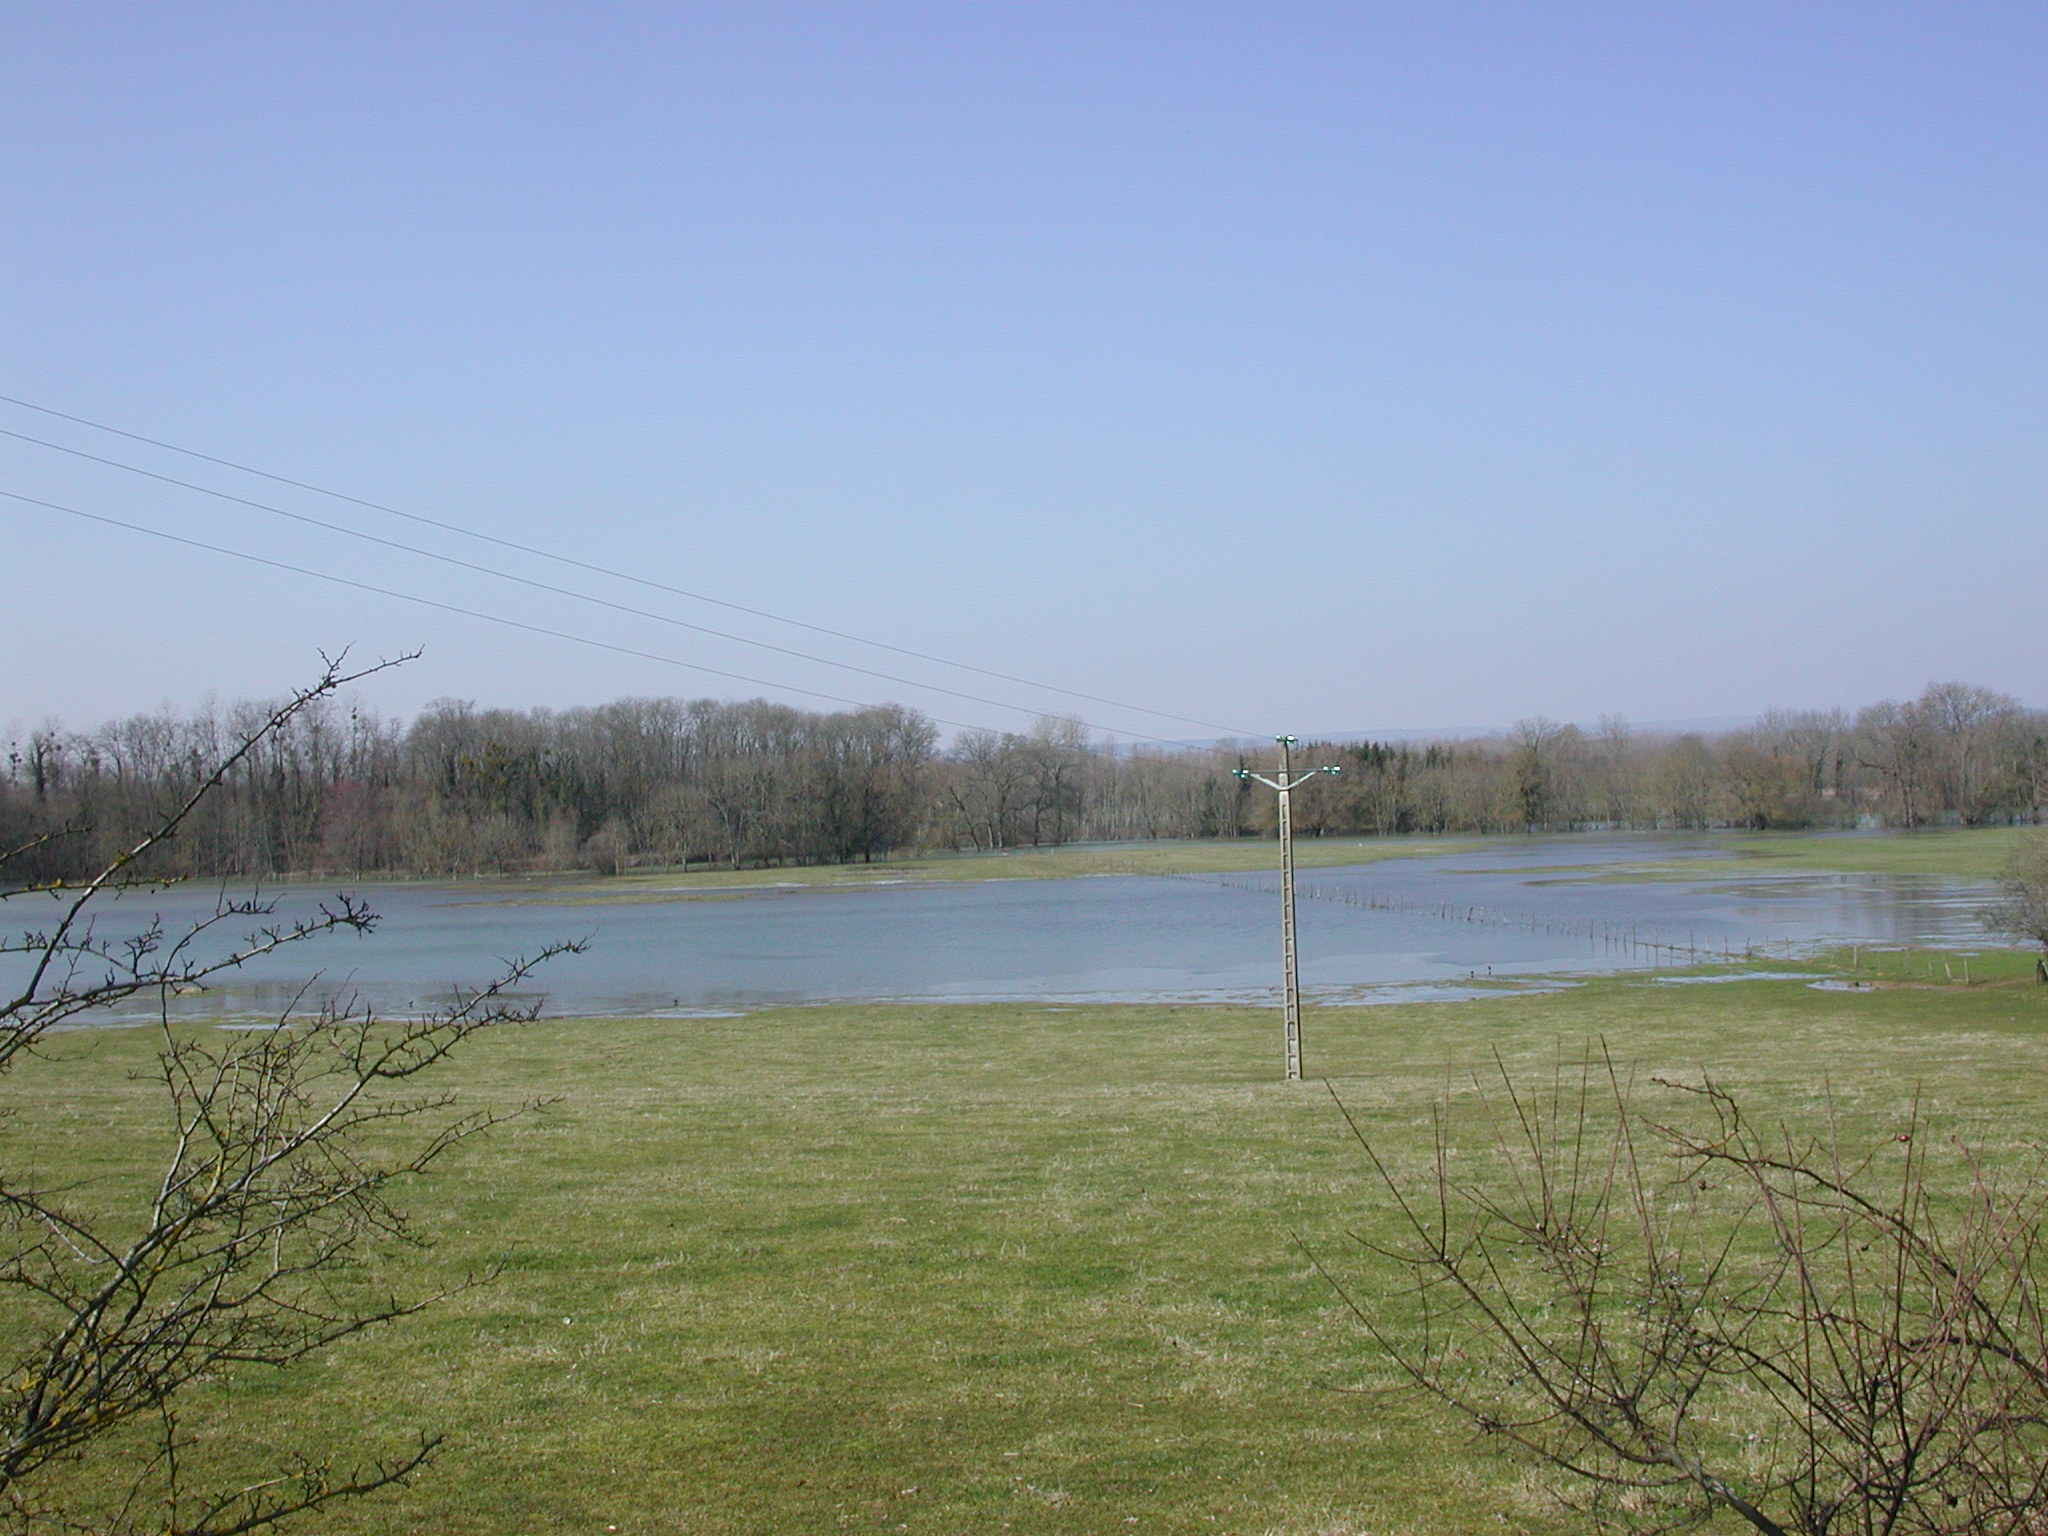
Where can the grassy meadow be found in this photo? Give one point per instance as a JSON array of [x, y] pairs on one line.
[[972, 1268], [1065, 862], [1972, 853]]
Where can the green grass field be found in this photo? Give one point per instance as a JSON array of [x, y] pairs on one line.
[[1072, 861], [951, 1269], [1976, 853]]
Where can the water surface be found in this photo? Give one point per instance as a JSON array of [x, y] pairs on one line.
[[1404, 927]]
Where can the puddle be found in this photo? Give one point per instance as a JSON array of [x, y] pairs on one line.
[[1437, 992], [1708, 981]]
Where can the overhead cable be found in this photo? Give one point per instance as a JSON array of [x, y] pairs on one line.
[[497, 618], [602, 570], [524, 581]]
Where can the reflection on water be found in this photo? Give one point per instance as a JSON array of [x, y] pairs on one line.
[[1403, 928]]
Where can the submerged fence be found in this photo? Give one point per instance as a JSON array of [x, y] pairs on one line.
[[1651, 946]]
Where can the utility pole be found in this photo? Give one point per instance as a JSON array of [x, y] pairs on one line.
[[1287, 784]]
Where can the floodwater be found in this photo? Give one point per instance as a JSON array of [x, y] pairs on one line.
[[1433, 926]]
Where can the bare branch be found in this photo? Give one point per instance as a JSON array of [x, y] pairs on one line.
[[264, 1225], [1680, 1318]]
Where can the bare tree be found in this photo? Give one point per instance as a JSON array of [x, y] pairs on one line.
[[462, 790], [990, 787], [275, 1187], [1818, 741], [1897, 742], [1685, 776], [2024, 911], [1717, 1317], [1969, 725], [1765, 788], [1616, 757], [1528, 790]]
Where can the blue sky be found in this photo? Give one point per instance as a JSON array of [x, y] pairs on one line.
[[1307, 367]]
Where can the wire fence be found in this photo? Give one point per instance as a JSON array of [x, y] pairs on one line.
[[1604, 937]]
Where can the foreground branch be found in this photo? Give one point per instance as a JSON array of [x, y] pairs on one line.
[[1690, 1315], [264, 1229]]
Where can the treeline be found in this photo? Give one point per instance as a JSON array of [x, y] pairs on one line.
[[672, 783]]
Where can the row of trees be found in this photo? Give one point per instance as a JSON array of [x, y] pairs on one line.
[[1683, 1312], [1958, 754], [672, 782]]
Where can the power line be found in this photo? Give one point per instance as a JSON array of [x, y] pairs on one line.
[[490, 618], [524, 581], [600, 570], [428, 602]]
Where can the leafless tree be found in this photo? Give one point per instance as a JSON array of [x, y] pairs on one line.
[[1898, 744], [1970, 727], [274, 1190], [2024, 911], [990, 788], [461, 790], [1686, 776], [1617, 771], [1765, 788], [1704, 1317]]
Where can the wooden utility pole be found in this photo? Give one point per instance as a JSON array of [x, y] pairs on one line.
[[1286, 785]]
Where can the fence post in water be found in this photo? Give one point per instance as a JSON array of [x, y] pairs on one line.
[[1286, 784]]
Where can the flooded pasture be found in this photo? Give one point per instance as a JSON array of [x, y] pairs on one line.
[[1445, 925]]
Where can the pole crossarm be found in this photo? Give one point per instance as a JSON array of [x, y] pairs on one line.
[[1246, 773], [1284, 786]]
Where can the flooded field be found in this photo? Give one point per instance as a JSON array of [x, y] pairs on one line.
[[1402, 928]]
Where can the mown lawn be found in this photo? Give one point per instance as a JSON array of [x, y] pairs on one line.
[[949, 1269]]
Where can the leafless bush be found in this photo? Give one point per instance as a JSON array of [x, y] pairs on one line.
[[1695, 1316], [2023, 912], [253, 1244]]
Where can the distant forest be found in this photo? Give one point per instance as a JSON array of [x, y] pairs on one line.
[[645, 783]]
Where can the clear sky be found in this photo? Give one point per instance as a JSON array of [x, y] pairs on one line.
[[1287, 366]]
